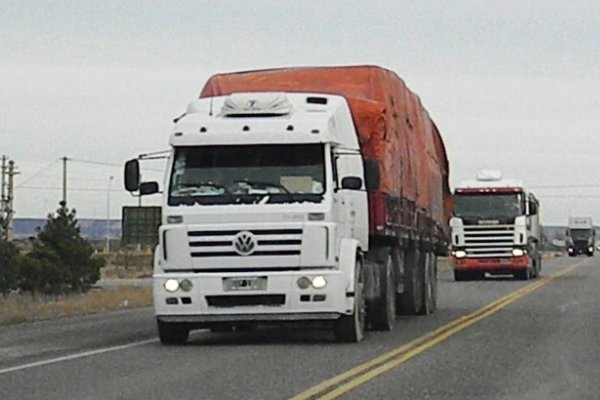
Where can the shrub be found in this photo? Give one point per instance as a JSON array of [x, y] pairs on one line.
[[9, 270]]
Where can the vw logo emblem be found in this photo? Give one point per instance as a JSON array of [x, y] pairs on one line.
[[244, 243]]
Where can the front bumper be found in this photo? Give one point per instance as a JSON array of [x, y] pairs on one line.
[[491, 264], [282, 300]]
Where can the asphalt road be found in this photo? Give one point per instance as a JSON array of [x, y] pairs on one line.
[[534, 342]]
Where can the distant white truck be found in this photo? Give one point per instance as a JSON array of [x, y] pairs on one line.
[[495, 228], [581, 236]]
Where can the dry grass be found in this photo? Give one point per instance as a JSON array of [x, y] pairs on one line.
[[17, 308]]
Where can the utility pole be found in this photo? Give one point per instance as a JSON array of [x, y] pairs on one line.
[[63, 203], [7, 196], [3, 198], [107, 249], [10, 211]]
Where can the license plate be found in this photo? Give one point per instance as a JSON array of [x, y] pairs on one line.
[[246, 283], [505, 260]]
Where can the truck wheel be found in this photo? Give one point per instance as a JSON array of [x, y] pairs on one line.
[[412, 298], [382, 311], [351, 328], [221, 328], [523, 275], [400, 270], [172, 333], [429, 289], [460, 276], [537, 267]]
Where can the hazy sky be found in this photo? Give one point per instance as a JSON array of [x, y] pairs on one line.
[[512, 85]]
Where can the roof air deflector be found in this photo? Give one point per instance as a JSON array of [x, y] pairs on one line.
[[256, 105]]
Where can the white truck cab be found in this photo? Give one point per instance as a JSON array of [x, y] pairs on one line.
[[264, 215]]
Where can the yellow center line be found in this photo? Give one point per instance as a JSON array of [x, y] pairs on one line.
[[378, 365]]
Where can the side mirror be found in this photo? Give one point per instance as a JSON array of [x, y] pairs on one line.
[[352, 183], [372, 175], [132, 175], [532, 208], [148, 188]]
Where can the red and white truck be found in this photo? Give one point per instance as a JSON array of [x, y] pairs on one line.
[[299, 195], [495, 229]]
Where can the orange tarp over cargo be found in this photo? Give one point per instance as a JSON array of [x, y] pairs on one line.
[[392, 125]]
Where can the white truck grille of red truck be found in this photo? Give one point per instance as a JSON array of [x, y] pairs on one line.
[[489, 240]]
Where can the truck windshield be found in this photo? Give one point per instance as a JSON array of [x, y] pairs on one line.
[[247, 174], [488, 206], [577, 234]]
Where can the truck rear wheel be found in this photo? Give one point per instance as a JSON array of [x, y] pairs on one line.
[[172, 333], [429, 284], [382, 311], [412, 298], [351, 328]]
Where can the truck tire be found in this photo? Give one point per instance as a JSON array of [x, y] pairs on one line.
[[351, 328], [429, 284], [221, 328], [382, 312], [412, 297], [461, 276], [399, 267], [537, 267], [172, 333], [523, 275]]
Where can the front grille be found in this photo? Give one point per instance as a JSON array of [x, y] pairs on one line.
[[246, 300], [489, 240], [258, 242]]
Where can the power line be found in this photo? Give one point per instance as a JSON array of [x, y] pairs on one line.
[[583, 185], [56, 188], [574, 197], [36, 174], [107, 164]]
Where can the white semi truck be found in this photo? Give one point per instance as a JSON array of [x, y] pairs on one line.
[[581, 236], [495, 228], [274, 212]]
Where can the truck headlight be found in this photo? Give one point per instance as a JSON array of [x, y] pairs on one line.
[[518, 252], [590, 249], [459, 253], [319, 282], [171, 285]]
